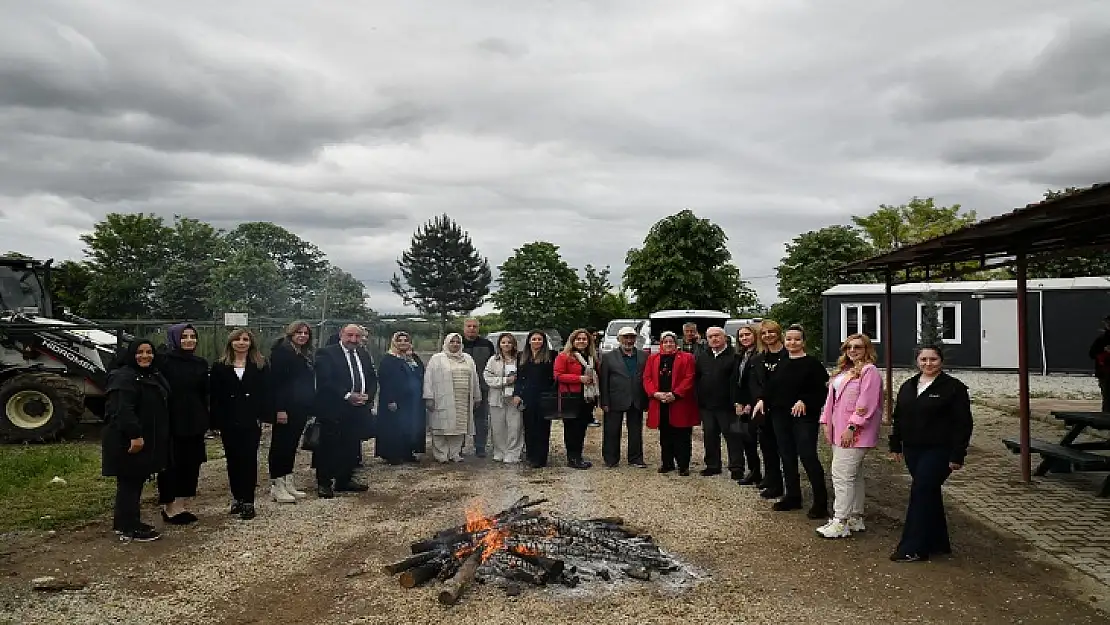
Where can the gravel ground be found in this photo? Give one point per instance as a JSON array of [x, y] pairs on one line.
[[291, 564], [989, 384]]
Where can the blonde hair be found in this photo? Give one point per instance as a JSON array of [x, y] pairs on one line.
[[869, 356], [570, 349], [757, 344], [253, 355], [772, 325]]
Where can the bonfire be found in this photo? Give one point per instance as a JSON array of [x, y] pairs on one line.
[[521, 546]]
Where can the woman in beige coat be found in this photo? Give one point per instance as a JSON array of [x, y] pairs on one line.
[[505, 420], [451, 391]]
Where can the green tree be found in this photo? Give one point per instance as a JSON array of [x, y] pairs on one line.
[[193, 251], [1087, 263], [68, 283], [538, 289], [302, 265], [442, 274], [344, 297], [685, 263], [126, 257], [892, 227], [808, 269], [595, 289], [617, 306], [251, 282], [930, 331]]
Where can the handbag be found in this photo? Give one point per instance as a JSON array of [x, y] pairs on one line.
[[568, 406], [311, 439]]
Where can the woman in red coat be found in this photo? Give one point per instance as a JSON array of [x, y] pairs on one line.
[[673, 407], [576, 371]]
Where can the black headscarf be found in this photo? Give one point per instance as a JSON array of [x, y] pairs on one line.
[[128, 368], [128, 359]]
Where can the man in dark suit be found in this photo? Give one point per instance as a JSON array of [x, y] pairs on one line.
[[715, 367], [623, 399], [345, 387]]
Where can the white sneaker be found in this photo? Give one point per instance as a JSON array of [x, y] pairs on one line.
[[827, 524], [836, 529], [278, 492], [291, 489], [855, 524]]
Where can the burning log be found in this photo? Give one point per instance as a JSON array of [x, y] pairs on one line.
[[551, 567], [454, 587], [408, 563], [420, 574]]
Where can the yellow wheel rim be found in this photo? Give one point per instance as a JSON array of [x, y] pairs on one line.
[[29, 410]]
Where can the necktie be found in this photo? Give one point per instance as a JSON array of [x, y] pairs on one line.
[[356, 377]]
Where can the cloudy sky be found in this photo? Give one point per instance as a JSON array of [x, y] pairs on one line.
[[580, 123]]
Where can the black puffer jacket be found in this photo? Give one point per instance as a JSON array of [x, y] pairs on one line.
[[938, 417], [187, 376], [137, 407]]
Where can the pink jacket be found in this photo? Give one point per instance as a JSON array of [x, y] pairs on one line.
[[859, 402]]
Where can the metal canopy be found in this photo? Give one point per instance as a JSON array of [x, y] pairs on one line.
[[1058, 227]]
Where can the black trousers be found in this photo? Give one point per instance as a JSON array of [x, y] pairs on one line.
[[769, 447], [750, 443], [797, 439], [1104, 387], [926, 528], [676, 444], [481, 423], [611, 436], [537, 436], [129, 492], [181, 477], [574, 431], [241, 451], [284, 440], [338, 453], [716, 424]]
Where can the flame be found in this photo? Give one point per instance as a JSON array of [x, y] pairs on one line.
[[525, 550], [490, 539]]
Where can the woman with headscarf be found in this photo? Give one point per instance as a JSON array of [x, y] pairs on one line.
[[401, 418], [451, 391], [136, 442], [187, 376], [293, 380], [673, 405]]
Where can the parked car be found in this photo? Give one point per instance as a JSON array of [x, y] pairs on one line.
[[673, 320], [612, 341], [553, 338]]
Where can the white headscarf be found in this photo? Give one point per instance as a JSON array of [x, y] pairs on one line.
[[459, 355]]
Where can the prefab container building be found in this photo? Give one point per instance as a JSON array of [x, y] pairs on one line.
[[978, 321]]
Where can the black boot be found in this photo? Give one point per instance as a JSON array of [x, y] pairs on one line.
[[750, 479]]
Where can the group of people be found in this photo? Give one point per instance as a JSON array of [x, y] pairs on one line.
[[762, 395]]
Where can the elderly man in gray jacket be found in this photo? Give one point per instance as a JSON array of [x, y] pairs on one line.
[[623, 399]]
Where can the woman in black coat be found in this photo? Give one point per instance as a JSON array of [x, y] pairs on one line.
[[136, 442], [535, 377], [401, 418], [747, 346], [293, 380], [240, 404], [187, 375], [931, 430]]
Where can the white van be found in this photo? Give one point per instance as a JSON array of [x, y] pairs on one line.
[[732, 326], [673, 320], [612, 341]]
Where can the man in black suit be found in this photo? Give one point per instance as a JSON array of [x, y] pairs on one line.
[[623, 399], [714, 369], [345, 387]]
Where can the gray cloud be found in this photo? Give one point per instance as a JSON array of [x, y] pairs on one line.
[[577, 123]]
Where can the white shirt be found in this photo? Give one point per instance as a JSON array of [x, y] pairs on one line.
[[239, 371], [347, 355], [922, 384]]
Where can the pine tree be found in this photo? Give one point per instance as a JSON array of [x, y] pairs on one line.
[[930, 332], [442, 274]]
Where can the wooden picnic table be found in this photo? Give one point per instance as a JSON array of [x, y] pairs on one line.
[[1068, 455]]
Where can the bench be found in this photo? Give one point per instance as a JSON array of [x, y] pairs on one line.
[[1076, 458]]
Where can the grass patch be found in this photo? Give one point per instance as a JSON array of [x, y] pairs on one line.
[[29, 501]]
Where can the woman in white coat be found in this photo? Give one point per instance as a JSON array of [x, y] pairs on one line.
[[451, 391], [505, 420]]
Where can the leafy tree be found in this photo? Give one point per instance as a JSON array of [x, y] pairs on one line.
[[808, 269], [442, 274], [617, 306], [685, 263], [301, 264], [251, 282], [595, 288], [127, 256], [930, 331], [892, 227], [344, 297], [193, 251], [538, 289], [1088, 263], [69, 282]]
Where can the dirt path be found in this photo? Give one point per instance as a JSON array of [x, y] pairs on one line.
[[291, 564]]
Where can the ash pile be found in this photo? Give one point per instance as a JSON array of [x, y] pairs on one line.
[[522, 547]]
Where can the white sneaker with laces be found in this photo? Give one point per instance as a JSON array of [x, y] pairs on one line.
[[836, 529], [278, 492], [855, 524], [291, 489]]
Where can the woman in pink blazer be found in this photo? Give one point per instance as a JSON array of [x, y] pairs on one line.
[[851, 420]]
